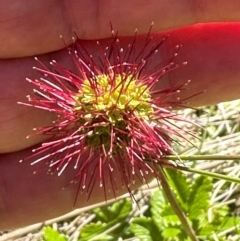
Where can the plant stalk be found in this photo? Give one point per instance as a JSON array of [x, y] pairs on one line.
[[202, 157], [175, 206], [209, 174]]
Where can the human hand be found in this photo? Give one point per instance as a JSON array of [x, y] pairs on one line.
[[28, 29]]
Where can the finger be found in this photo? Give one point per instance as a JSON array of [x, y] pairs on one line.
[[30, 28], [27, 198], [17, 121], [212, 52]]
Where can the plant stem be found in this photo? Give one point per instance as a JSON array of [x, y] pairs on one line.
[[203, 157], [209, 174], [175, 206]]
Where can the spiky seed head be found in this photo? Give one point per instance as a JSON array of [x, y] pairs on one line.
[[111, 115]]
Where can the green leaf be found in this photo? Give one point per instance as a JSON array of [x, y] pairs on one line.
[[169, 216], [178, 181], [230, 222], [119, 210], [198, 201], [220, 223], [50, 234], [158, 203], [145, 230], [170, 233], [107, 217], [207, 230], [93, 231], [140, 232]]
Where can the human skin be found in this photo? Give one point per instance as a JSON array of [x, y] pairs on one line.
[[32, 28]]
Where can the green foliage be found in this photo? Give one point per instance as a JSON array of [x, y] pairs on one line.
[[49, 234], [194, 199], [160, 223], [118, 209], [95, 232], [107, 217], [145, 229]]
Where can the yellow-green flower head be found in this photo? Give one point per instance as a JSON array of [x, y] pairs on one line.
[[111, 115], [124, 93], [113, 96]]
